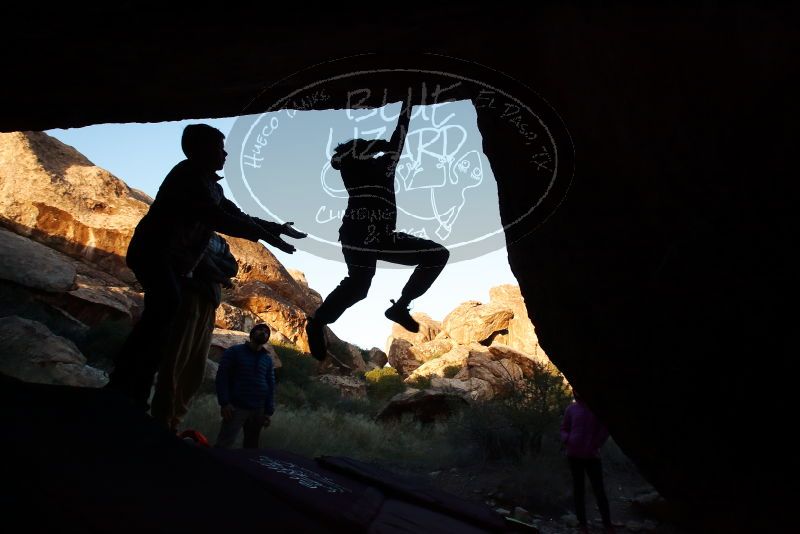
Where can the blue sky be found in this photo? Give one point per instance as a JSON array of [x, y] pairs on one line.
[[295, 184]]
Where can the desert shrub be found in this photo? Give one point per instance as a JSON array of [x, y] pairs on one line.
[[383, 384], [545, 390], [420, 382], [312, 418], [290, 394], [295, 386], [451, 370], [312, 395], [316, 395], [516, 425], [296, 368], [364, 407], [333, 431], [322, 395]]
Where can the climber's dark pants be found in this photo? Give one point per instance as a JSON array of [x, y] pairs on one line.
[[594, 470], [362, 258], [136, 364]]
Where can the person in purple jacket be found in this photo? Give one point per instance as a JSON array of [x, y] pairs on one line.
[[583, 434]]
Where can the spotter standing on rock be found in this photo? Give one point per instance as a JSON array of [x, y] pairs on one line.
[[168, 245]]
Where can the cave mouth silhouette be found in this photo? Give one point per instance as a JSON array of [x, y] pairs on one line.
[[660, 277]]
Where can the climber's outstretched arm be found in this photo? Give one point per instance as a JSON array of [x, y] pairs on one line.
[[398, 139]]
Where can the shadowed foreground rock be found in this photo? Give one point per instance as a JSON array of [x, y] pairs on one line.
[[425, 406], [34, 354]]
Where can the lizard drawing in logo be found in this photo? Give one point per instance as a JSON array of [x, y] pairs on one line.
[[432, 178]]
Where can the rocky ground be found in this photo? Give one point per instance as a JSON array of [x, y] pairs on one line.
[[635, 505]]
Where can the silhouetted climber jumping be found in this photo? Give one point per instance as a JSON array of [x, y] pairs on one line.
[[368, 234], [168, 244]]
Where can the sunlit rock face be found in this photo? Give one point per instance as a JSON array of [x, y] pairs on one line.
[[53, 194], [74, 221]]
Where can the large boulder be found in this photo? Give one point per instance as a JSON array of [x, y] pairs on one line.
[[31, 352], [527, 362], [501, 375], [348, 386], [258, 264], [39, 306], [401, 358], [377, 357], [471, 389], [230, 317], [99, 296], [54, 195], [482, 373], [428, 330], [425, 406], [33, 265], [276, 338], [221, 340], [472, 321], [432, 349], [457, 356], [299, 277], [521, 333], [343, 355], [311, 294], [273, 308], [72, 286], [50, 192]]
